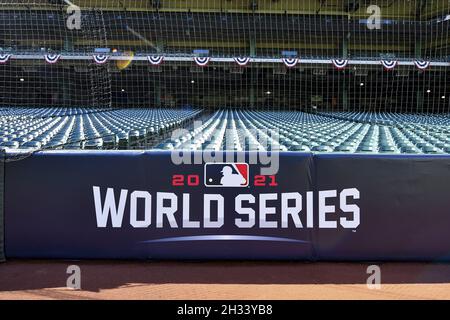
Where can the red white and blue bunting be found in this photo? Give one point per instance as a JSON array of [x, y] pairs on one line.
[[100, 58], [155, 60], [422, 65], [52, 58], [290, 62], [242, 61], [389, 64], [202, 61], [339, 63], [4, 58]]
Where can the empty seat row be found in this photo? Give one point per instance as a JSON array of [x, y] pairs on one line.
[[228, 129], [108, 129]]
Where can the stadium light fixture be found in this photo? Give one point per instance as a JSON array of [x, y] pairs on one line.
[[443, 97], [192, 81], [22, 79], [268, 92], [361, 84], [123, 90], [428, 91]]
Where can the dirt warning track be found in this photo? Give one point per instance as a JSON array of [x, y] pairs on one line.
[[33, 279]]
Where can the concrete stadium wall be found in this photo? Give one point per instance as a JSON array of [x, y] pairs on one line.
[[317, 207]]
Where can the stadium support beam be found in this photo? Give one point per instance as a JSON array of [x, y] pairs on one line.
[[68, 44], [65, 85], [419, 93], [252, 89], [419, 100], [64, 88], [159, 46], [157, 93], [252, 47], [343, 52], [344, 97], [418, 48], [343, 47], [253, 53]]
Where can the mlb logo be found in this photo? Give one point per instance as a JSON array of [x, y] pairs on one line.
[[226, 175]]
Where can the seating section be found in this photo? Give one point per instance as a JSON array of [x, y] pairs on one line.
[[298, 131], [225, 129], [48, 112], [78, 129], [392, 118], [404, 133]]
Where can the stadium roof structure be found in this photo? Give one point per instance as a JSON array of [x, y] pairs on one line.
[[354, 8], [259, 28]]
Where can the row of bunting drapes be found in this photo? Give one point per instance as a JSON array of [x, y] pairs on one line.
[[240, 61]]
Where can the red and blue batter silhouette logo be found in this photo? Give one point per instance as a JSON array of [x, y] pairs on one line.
[[226, 175]]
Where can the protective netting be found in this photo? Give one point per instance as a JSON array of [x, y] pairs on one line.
[[347, 60], [30, 33]]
